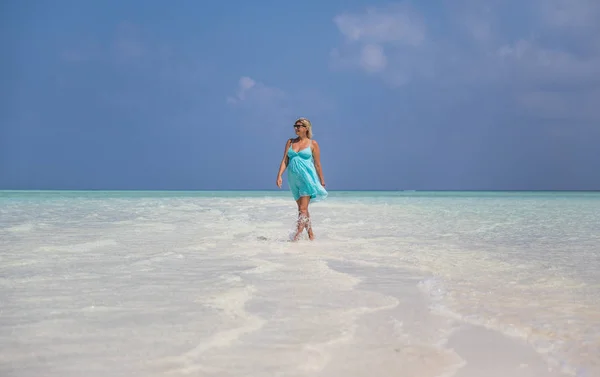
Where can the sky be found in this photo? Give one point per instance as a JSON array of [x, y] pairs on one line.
[[198, 95]]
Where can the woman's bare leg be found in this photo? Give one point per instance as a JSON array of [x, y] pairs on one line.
[[303, 218], [309, 230]]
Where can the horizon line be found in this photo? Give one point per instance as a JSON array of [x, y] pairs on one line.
[[336, 190]]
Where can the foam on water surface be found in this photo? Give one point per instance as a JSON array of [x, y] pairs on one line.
[[153, 284]]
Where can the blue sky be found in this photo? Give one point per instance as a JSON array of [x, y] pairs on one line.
[[435, 95]]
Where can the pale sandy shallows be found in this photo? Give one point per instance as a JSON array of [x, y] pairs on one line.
[[393, 286]]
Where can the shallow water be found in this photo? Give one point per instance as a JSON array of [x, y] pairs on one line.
[[152, 284]]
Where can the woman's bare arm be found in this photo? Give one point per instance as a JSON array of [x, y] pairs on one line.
[[284, 163], [317, 158]]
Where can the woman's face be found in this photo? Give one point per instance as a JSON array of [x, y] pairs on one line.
[[300, 129]]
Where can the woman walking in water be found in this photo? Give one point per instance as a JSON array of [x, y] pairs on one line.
[[305, 177]]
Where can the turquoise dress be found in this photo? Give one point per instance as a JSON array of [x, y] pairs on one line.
[[302, 175]]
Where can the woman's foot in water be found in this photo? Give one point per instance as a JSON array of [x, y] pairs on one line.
[[303, 223], [308, 227], [311, 235], [296, 237]]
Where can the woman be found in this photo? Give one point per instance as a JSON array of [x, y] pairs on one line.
[[303, 159]]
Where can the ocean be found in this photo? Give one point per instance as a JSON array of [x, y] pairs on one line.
[[142, 283]]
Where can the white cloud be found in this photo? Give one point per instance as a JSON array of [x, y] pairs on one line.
[[246, 83], [553, 44], [373, 58], [273, 105], [255, 93], [391, 24], [381, 41], [571, 14], [533, 64]]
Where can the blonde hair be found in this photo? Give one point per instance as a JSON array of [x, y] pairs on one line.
[[308, 125]]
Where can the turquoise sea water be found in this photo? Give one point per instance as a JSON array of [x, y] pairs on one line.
[[176, 282], [46, 194]]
